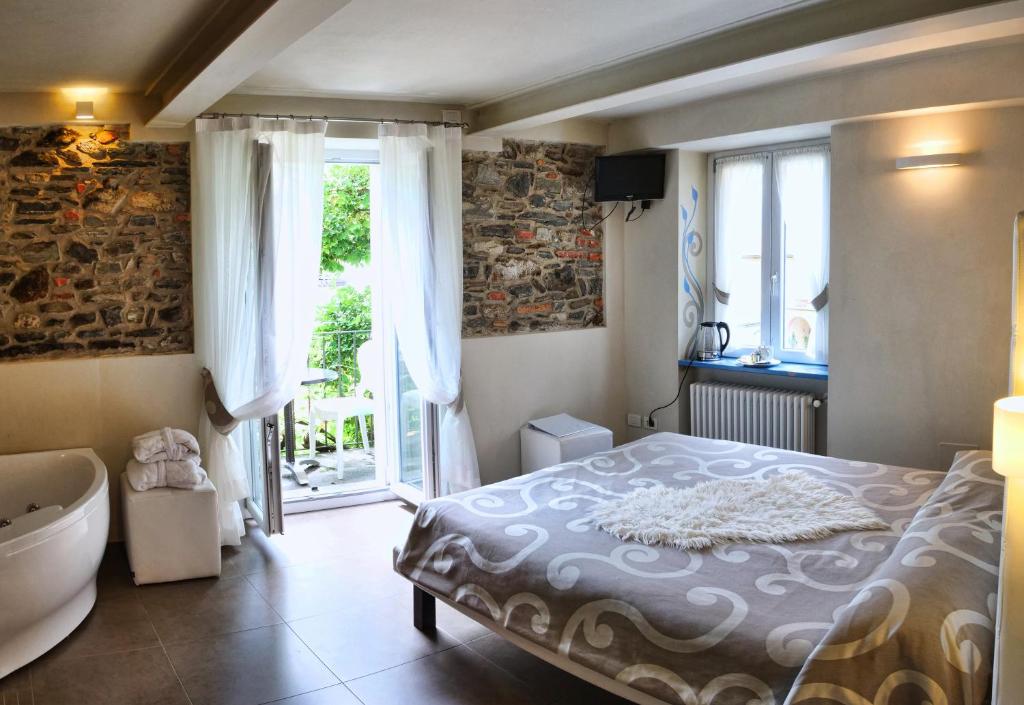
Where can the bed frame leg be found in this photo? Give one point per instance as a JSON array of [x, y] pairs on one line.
[[424, 611]]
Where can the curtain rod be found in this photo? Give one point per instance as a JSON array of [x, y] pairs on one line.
[[333, 118]]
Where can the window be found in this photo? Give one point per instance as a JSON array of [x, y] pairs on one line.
[[770, 240]]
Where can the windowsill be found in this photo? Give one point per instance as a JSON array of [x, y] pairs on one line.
[[797, 370]]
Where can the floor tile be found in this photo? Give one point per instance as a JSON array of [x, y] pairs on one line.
[[363, 530], [118, 624], [360, 531], [455, 677], [16, 688], [335, 695], [547, 683], [315, 588], [368, 637], [245, 668], [141, 677], [257, 553], [194, 609]]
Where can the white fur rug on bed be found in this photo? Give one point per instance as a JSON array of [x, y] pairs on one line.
[[790, 507]]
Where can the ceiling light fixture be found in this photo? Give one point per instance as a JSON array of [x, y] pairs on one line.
[[930, 161]]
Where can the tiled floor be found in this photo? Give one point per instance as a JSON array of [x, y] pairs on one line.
[[313, 617]]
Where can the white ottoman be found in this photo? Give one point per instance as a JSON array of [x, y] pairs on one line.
[[171, 534], [542, 450]]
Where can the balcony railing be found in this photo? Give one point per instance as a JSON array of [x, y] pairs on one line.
[[336, 350]]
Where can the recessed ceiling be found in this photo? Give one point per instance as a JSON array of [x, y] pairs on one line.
[[472, 52], [121, 45]]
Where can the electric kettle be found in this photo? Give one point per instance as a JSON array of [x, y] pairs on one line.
[[710, 344]]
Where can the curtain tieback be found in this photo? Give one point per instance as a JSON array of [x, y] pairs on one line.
[[220, 417], [821, 300], [458, 402], [722, 296]]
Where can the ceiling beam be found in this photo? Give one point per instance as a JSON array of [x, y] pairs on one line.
[[816, 37], [239, 38]]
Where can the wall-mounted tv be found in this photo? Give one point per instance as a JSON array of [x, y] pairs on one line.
[[629, 177]]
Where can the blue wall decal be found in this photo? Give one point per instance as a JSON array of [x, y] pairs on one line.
[[692, 246]]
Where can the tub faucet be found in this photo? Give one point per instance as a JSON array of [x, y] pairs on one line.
[[4, 522], [33, 507]]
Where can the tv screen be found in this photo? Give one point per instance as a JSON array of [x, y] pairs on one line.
[[629, 177]]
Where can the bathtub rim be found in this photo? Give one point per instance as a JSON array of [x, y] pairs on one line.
[[78, 510]]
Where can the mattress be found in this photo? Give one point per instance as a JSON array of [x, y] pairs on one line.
[[900, 615]]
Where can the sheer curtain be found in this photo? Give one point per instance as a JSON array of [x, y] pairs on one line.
[[739, 230], [802, 180], [258, 202], [421, 263]]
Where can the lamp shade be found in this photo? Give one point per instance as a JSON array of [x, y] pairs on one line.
[[1008, 437]]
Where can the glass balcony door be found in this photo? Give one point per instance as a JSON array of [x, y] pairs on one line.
[[389, 449], [412, 448]]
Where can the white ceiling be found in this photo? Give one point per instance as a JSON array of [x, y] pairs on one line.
[[120, 44], [473, 52]]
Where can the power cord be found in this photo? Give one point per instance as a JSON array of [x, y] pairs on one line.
[[679, 391], [591, 227]]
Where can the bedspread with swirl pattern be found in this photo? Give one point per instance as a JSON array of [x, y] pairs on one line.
[[898, 616]]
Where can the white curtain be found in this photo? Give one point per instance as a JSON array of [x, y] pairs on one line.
[[258, 203], [802, 179], [739, 189], [421, 264]]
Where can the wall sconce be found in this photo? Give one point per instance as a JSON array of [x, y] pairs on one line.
[[84, 98], [930, 161], [1008, 437], [84, 110]]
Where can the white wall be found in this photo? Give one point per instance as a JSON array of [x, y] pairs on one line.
[[655, 330], [117, 108], [509, 380], [651, 265], [920, 284]]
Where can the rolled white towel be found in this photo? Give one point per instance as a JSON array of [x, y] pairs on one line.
[[165, 444], [184, 474]]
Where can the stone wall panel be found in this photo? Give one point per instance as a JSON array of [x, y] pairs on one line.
[[533, 260], [95, 244]]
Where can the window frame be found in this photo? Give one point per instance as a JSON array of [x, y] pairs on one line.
[[772, 285]]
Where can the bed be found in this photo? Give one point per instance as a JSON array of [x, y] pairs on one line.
[[897, 616]]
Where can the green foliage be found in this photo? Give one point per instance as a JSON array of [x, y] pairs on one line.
[[346, 237], [350, 309]]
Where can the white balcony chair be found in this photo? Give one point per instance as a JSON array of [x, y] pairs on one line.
[[340, 408]]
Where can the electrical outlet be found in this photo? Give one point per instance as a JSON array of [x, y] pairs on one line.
[[633, 420], [651, 423]]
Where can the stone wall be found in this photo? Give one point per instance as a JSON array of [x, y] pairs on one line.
[[95, 244], [530, 261]]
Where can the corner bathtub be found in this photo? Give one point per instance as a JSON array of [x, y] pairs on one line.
[[48, 557]]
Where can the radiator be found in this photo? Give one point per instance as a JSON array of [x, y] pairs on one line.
[[767, 417]]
